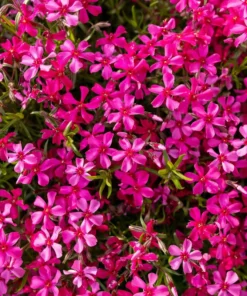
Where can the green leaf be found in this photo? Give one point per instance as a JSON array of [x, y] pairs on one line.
[[177, 183], [23, 282], [181, 176], [178, 161]]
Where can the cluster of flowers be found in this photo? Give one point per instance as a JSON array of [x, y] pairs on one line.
[[122, 163]]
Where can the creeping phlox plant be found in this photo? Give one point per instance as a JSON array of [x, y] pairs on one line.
[[123, 147]]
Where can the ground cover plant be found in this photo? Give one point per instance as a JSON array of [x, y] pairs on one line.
[[123, 143]]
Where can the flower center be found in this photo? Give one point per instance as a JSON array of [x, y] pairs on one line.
[[221, 157], [209, 118], [224, 287], [37, 62], [129, 152], [20, 155], [49, 242], [80, 171], [184, 256], [125, 111]]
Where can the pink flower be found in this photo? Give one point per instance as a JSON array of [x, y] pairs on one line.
[[113, 39], [130, 154], [185, 255], [79, 173], [48, 210], [206, 182], [170, 58], [87, 6], [242, 151], [81, 274], [207, 120], [166, 93], [58, 73], [224, 158], [89, 219], [226, 287], [100, 147], [14, 198], [7, 248], [81, 235], [225, 211], [200, 228], [105, 60], [149, 289], [26, 23], [202, 61], [132, 71], [43, 238], [4, 219], [46, 281], [127, 110], [69, 51], [239, 29], [138, 187], [63, 8], [81, 107], [22, 156], [179, 125], [35, 62], [39, 169]]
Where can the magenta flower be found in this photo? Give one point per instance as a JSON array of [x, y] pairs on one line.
[[81, 107], [48, 210], [242, 151], [130, 154], [138, 187], [26, 23], [207, 120], [225, 287], [101, 148], [14, 49], [89, 219], [105, 60], [149, 289], [230, 109], [22, 156], [206, 182], [80, 274], [46, 281], [127, 110], [170, 58], [225, 210], [58, 73], [79, 173], [43, 238], [113, 39], [69, 51], [7, 248], [35, 62], [223, 242], [81, 235], [203, 61], [200, 228], [65, 9], [165, 94], [179, 125], [14, 198], [4, 215], [239, 29], [185, 256], [132, 71], [12, 269], [87, 6], [224, 158], [39, 169]]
